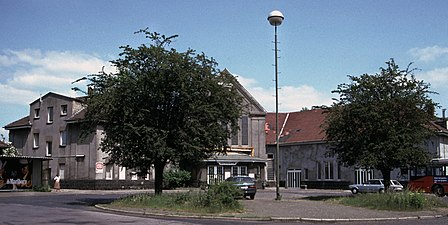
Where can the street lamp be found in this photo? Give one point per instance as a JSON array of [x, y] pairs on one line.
[[275, 19]]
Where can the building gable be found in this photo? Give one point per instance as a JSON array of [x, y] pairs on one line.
[[253, 106]]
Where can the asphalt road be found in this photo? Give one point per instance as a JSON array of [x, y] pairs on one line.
[[76, 207]]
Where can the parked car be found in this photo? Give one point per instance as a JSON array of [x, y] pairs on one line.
[[246, 185], [375, 185]]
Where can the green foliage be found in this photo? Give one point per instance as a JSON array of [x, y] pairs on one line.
[[218, 199], [11, 151], [176, 178], [381, 120], [162, 106], [396, 201], [44, 188]]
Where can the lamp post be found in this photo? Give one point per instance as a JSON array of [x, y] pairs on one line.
[[275, 19]]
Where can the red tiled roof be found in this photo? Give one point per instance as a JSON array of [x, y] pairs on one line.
[[303, 126]]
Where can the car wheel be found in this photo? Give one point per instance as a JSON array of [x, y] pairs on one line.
[[355, 191], [381, 191], [438, 191], [252, 197]]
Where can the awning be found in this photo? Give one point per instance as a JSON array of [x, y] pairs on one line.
[[233, 159]]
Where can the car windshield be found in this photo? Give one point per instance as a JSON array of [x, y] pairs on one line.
[[395, 182]]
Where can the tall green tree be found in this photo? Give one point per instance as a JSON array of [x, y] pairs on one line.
[[162, 106], [381, 120]]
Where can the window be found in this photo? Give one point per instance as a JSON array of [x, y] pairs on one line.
[[49, 148], [305, 171], [50, 115], [235, 139], [36, 113], [329, 171], [36, 140], [339, 172], [215, 174], [63, 110], [245, 130], [63, 138], [239, 170], [319, 170], [109, 171], [122, 173], [61, 170]]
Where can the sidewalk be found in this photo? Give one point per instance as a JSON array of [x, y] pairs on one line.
[[293, 207]]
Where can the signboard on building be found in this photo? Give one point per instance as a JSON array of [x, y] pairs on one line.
[[15, 173], [99, 167]]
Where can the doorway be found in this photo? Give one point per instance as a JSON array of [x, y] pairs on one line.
[[293, 178]]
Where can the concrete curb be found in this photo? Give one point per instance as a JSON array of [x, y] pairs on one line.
[[279, 219]]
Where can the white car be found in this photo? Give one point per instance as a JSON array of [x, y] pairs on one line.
[[375, 185]]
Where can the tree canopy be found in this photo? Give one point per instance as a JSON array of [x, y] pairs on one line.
[[381, 120], [162, 106]]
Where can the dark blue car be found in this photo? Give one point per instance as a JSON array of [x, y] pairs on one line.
[[246, 184]]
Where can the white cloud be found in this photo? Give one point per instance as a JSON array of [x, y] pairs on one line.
[[429, 53], [437, 77], [26, 74], [290, 98]]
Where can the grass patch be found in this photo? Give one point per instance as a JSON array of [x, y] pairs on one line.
[[395, 201], [217, 199]]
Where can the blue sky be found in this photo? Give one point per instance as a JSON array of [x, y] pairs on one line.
[[45, 45]]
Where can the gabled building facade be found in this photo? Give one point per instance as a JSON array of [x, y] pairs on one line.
[[247, 154], [303, 148], [52, 130]]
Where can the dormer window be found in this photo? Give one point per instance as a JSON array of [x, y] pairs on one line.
[[63, 110], [36, 113]]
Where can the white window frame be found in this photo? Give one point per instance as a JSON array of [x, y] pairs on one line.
[[50, 114], [215, 174], [109, 171], [63, 138], [329, 170], [121, 173], [36, 113], [239, 171], [35, 140], [64, 110]]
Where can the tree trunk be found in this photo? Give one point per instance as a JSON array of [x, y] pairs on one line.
[[386, 178], [158, 184]]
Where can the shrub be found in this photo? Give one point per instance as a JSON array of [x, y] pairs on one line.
[[217, 198], [220, 197], [399, 201], [44, 188], [176, 178]]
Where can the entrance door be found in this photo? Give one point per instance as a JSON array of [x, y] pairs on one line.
[[215, 174], [293, 177]]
